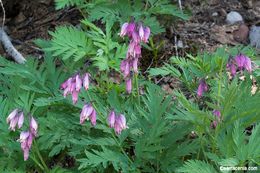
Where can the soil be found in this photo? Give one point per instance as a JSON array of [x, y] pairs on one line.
[[207, 28], [27, 20]]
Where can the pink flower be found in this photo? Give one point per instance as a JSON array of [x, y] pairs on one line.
[[125, 68], [218, 116], [93, 117], [146, 34], [69, 83], [247, 64], [232, 68], [129, 85], [217, 113], [136, 38], [86, 81], [141, 32], [26, 139], [78, 83], [137, 33], [33, 126], [240, 60], [135, 65], [13, 123], [20, 120], [202, 87], [13, 119], [75, 96], [123, 29], [112, 119], [120, 124], [72, 86], [88, 112], [130, 29], [11, 116]]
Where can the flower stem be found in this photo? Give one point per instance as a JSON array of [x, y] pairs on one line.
[[137, 88], [37, 163], [113, 135], [40, 156]]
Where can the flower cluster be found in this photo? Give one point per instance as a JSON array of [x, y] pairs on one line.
[[137, 33], [74, 84], [26, 138], [203, 87], [88, 113], [240, 62], [118, 122], [16, 118], [218, 116]]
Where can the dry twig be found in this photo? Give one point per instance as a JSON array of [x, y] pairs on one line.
[[5, 40]]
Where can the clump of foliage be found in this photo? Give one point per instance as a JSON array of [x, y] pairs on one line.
[[212, 120]]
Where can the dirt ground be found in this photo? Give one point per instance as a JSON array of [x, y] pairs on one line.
[[28, 20], [207, 28]]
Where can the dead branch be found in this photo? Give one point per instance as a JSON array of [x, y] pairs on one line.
[[4, 39]]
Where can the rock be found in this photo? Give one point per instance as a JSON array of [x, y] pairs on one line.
[[233, 17], [241, 34], [215, 14], [254, 36], [180, 44]]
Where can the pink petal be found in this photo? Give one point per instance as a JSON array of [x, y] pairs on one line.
[[11, 115], [20, 120], [78, 83]]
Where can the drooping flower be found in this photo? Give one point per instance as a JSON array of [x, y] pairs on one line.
[[248, 64], [129, 85], [93, 117], [86, 81], [125, 67], [75, 97], [33, 126], [135, 65], [240, 61], [20, 120], [12, 115], [137, 33], [123, 29], [147, 33], [112, 119], [203, 87], [120, 124], [12, 119], [131, 29], [26, 139], [243, 62], [78, 83], [135, 38], [141, 32], [74, 84], [232, 68], [88, 112], [13, 123], [218, 116]]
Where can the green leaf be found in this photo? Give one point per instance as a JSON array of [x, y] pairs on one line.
[[196, 166]]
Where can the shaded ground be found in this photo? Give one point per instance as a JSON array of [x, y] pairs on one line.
[[28, 20], [206, 30]]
